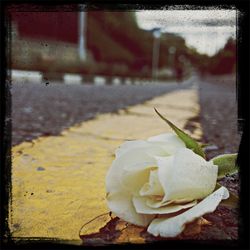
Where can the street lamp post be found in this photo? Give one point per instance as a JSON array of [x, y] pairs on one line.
[[81, 37], [156, 49]]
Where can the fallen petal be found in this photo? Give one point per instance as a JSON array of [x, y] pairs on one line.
[[195, 227]]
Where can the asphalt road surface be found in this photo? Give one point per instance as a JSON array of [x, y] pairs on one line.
[[43, 110], [40, 110], [218, 115]]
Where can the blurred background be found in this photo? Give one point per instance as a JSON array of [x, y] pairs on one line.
[[68, 66], [124, 46]]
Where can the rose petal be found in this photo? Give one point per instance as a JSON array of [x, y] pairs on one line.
[[151, 202], [153, 187], [141, 207], [133, 181], [140, 158], [173, 226], [134, 160], [188, 175], [121, 204], [145, 148], [165, 143], [169, 138], [128, 145], [169, 141], [164, 172]]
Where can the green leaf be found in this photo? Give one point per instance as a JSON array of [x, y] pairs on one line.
[[226, 164], [203, 145], [232, 201], [188, 140]]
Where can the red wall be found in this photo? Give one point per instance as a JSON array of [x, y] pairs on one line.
[[61, 26]]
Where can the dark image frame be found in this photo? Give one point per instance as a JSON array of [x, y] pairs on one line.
[[243, 67]]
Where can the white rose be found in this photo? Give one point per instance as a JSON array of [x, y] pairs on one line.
[[159, 177]]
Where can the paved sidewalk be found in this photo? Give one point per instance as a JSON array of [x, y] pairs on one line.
[[58, 182]]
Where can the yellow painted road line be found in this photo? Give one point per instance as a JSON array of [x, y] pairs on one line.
[[58, 182]]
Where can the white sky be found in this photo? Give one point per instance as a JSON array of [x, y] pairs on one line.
[[206, 30]]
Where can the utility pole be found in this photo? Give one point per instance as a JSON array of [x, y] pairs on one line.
[[82, 35]]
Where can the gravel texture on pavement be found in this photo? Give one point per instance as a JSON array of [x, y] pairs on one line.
[[43, 110], [218, 117]]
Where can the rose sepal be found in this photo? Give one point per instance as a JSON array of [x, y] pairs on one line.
[[226, 164], [187, 139]]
